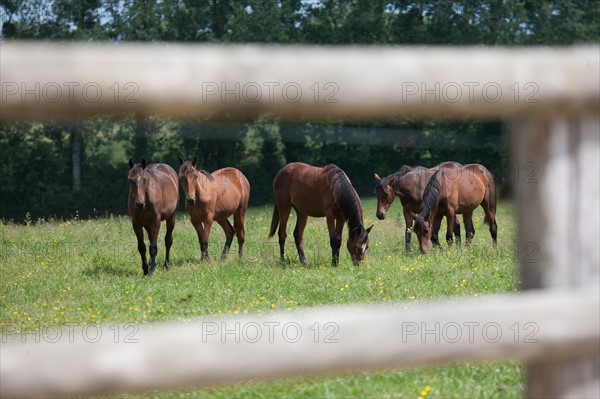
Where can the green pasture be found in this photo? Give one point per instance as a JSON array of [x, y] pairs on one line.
[[89, 272]]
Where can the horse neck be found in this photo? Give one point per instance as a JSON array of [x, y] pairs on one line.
[[431, 195], [413, 183], [353, 213], [355, 221], [202, 184], [348, 202]]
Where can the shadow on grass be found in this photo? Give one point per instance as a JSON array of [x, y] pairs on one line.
[[98, 270]]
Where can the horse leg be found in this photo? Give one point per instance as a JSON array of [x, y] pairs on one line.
[[437, 222], [470, 229], [201, 239], [139, 233], [238, 225], [169, 238], [284, 214], [153, 236], [299, 233], [457, 231], [408, 221], [334, 242], [450, 218], [229, 233], [204, 243]]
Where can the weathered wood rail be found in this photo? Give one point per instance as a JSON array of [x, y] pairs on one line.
[[297, 82]]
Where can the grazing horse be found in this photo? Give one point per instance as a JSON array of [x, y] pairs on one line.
[[408, 184], [153, 196], [214, 197], [318, 192], [450, 192]]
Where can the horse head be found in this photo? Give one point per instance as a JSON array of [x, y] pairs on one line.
[[385, 195], [138, 182], [187, 176], [423, 230], [358, 243]]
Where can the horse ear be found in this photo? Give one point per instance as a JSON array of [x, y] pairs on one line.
[[195, 161], [369, 229], [130, 163], [180, 159], [377, 178], [143, 163]]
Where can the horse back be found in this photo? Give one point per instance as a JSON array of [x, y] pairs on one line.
[[463, 188], [476, 171], [447, 165], [304, 187], [488, 179], [233, 185]]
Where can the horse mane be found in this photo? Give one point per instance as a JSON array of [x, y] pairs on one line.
[[404, 170], [344, 195], [430, 195], [207, 174], [187, 164], [396, 176]]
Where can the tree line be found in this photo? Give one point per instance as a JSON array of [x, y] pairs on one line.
[[67, 168]]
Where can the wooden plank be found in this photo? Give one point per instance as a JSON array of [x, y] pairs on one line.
[[558, 193], [296, 83], [96, 360]]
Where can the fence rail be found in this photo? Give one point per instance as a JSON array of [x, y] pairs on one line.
[[297, 82], [96, 360]]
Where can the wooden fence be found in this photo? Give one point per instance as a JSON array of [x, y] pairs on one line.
[[552, 99]]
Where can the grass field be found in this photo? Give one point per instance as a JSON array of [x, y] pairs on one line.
[[89, 272]]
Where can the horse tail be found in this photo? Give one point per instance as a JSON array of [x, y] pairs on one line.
[[490, 194], [274, 222]]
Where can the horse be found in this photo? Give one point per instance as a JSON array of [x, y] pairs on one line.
[[319, 192], [153, 197], [408, 184], [450, 192], [214, 197]]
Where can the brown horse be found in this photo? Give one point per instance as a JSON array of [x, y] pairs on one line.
[[408, 184], [450, 192], [214, 197], [319, 192], [153, 196]]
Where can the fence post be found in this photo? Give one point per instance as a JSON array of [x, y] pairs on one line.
[[556, 164]]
